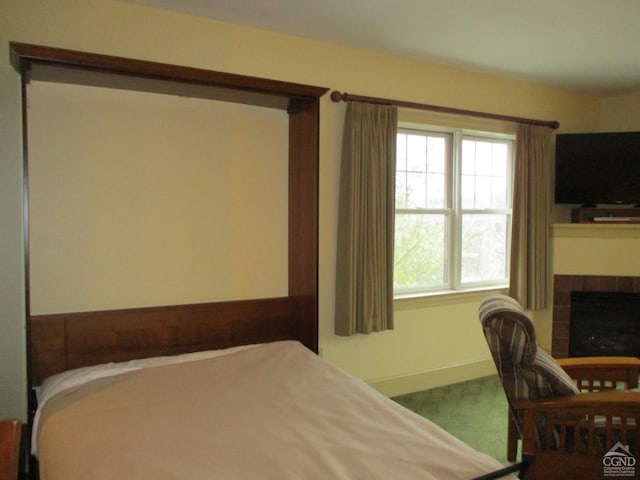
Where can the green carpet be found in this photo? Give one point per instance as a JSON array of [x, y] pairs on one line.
[[474, 411]]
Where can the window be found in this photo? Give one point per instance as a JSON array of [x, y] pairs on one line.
[[453, 211]]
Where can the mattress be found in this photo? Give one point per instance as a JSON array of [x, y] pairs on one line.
[[269, 411]]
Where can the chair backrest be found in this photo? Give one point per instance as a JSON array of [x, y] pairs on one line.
[[9, 449], [526, 371]]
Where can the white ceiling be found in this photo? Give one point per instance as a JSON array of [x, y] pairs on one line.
[[591, 46]]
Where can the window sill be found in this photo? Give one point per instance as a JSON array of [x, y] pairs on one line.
[[452, 297]]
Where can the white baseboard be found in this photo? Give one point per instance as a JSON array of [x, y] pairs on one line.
[[415, 382]]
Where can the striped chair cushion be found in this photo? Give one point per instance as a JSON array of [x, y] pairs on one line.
[[508, 329], [550, 378], [527, 372]]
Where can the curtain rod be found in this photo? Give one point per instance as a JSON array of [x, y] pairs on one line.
[[336, 96]]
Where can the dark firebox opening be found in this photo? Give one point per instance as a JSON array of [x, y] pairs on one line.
[[604, 323]]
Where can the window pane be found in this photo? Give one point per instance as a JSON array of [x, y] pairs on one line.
[[416, 190], [436, 154], [484, 247], [421, 171], [416, 153], [401, 152], [435, 190], [484, 174], [436, 167], [499, 160], [499, 193], [483, 192], [483, 158], [468, 190], [401, 189], [420, 251], [468, 157]]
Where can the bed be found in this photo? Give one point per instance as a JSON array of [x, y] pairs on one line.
[[230, 389], [272, 410]]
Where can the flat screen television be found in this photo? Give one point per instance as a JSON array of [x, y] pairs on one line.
[[598, 168]]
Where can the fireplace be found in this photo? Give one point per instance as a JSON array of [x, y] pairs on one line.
[[604, 323], [564, 286]]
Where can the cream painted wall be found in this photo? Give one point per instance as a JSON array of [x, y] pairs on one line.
[[433, 343], [621, 113], [599, 252], [13, 369], [143, 199]]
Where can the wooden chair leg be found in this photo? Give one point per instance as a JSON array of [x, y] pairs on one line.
[[512, 438]]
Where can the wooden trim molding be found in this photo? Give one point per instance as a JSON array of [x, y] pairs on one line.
[[23, 54]]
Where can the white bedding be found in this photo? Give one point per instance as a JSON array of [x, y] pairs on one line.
[[77, 377], [269, 411]]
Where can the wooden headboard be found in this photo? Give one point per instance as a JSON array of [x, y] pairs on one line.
[[69, 340], [64, 341]]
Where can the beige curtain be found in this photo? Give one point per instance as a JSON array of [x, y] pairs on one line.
[[364, 270], [530, 250]]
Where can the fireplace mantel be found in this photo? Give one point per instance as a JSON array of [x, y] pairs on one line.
[[596, 230]]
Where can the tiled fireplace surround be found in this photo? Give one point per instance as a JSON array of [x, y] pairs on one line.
[[563, 285]]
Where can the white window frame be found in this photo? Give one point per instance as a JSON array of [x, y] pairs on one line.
[[454, 214]]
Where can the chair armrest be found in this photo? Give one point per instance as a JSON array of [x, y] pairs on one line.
[[600, 402], [601, 373], [622, 362]]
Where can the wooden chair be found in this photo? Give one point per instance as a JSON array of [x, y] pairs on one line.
[[568, 413], [10, 431], [591, 374]]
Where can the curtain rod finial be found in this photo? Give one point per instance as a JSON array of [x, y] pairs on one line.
[[336, 96]]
